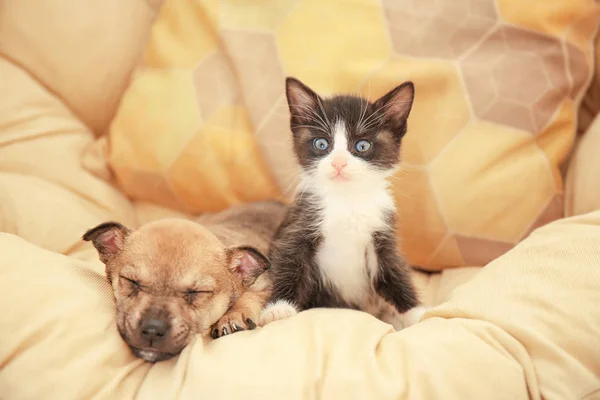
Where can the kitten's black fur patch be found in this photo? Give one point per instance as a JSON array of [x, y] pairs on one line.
[[295, 273]]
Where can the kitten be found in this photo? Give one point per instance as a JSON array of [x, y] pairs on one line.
[[337, 244]]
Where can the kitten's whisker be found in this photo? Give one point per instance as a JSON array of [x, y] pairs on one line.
[[376, 112], [308, 111], [364, 112], [305, 180], [397, 179], [379, 114], [312, 111], [405, 195], [310, 118], [324, 114], [372, 124], [399, 173], [362, 116], [318, 128], [408, 167], [294, 181], [372, 119]]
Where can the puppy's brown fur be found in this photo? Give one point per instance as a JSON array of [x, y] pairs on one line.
[[175, 278]]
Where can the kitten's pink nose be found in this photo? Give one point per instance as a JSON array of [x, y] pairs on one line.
[[339, 163]]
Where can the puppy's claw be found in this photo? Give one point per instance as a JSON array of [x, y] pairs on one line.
[[235, 327], [232, 322]]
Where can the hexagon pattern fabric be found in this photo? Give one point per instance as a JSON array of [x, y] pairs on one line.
[[205, 124]]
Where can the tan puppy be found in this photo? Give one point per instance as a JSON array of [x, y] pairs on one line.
[[174, 278]]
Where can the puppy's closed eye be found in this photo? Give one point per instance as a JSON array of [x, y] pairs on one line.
[[191, 295], [132, 281], [133, 285]]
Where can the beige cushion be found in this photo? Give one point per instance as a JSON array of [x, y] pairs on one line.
[[63, 68], [82, 50], [590, 105], [583, 177], [46, 196], [526, 326]]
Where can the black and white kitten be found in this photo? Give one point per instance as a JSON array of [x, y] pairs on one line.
[[337, 244]]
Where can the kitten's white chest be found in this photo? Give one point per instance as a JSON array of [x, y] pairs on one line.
[[346, 256]]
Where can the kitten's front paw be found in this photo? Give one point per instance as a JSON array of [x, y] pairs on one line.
[[413, 315], [275, 311]]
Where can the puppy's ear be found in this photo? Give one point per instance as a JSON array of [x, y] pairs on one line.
[[108, 238], [247, 262]]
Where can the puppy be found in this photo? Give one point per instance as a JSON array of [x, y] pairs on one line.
[[175, 278]]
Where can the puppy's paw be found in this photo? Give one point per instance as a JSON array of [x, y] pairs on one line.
[[233, 321], [275, 311]]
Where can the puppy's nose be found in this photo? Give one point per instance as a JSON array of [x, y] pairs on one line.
[[154, 330], [339, 163]]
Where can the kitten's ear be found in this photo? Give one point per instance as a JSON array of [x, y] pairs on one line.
[[395, 107], [302, 100], [108, 239]]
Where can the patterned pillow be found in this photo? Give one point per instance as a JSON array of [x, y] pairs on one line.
[[498, 83]]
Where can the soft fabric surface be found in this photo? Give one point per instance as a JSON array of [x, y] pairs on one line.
[[583, 178], [46, 197], [49, 39], [498, 85], [590, 106], [524, 327]]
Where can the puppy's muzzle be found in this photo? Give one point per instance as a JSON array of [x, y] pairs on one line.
[[157, 335], [154, 330], [154, 341]]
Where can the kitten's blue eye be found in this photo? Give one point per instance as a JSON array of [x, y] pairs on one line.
[[321, 143], [362, 146]]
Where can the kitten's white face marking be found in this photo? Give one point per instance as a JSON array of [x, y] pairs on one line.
[[335, 165], [353, 208], [340, 167]]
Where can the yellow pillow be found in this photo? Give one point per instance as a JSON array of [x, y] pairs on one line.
[[498, 83]]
